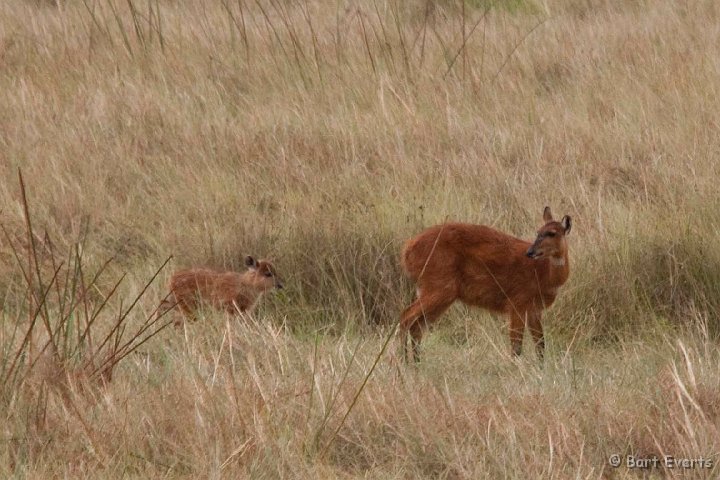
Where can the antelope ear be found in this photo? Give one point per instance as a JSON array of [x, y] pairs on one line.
[[547, 216], [250, 262], [566, 224]]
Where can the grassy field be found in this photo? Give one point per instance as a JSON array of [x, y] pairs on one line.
[[322, 134]]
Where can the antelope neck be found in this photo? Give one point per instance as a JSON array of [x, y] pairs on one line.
[[557, 261]]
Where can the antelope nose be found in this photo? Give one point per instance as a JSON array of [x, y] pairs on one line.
[[279, 285]]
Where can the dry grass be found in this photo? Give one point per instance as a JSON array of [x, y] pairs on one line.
[[321, 134]]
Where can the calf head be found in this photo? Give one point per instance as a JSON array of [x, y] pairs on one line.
[[264, 276]]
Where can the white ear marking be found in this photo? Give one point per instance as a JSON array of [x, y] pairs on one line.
[[566, 223]]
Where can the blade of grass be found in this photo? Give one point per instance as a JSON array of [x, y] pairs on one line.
[[465, 40], [367, 43], [359, 391], [515, 47], [28, 334], [34, 259], [121, 27]]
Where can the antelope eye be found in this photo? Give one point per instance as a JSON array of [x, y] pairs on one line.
[[268, 274], [550, 234]]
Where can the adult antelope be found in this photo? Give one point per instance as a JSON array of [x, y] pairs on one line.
[[224, 290], [481, 266]]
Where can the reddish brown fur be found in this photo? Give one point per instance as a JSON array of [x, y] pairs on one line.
[[228, 291], [484, 267]]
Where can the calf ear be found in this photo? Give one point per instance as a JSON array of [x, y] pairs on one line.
[[250, 262], [547, 216], [566, 224]]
